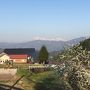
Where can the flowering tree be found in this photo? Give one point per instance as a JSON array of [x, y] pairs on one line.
[[76, 69]]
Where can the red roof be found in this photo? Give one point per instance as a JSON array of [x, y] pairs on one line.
[[23, 56]]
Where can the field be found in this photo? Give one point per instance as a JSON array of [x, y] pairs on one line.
[[28, 79]]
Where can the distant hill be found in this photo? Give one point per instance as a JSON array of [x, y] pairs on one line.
[[75, 41], [50, 44]]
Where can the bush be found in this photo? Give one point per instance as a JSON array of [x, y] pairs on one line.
[[52, 83]]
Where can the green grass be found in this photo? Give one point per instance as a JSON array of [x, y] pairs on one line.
[[30, 78]]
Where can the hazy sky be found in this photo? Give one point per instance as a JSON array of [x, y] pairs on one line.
[[23, 20]]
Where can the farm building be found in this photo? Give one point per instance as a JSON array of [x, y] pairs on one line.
[[21, 55], [19, 58], [3, 58]]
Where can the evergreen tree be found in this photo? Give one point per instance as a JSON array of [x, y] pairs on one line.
[[86, 44], [43, 55]]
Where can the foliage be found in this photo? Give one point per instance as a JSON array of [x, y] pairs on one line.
[[43, 55], [52, 82], [86, 44], [76, 55], [76, 69]]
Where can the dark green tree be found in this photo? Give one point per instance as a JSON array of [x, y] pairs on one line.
[[43, 55], [86, 44]]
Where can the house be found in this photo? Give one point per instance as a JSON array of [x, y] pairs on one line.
[[3, 58], [21, 55], [19, 58]]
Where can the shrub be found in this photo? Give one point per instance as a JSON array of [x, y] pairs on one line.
[[52, 83]]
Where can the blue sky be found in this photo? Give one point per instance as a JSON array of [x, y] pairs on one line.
[[23, 20]]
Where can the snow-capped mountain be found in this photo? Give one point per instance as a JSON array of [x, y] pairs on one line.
[[48, 39], [51, 44]]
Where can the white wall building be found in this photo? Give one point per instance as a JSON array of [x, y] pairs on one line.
[[3, 57]]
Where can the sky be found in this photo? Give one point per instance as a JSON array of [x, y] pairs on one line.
[[25, 20]]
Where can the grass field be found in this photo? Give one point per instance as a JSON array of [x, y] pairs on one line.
[[29, 79]]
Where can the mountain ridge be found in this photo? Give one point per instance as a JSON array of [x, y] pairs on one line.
[[51, 45]]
